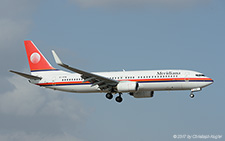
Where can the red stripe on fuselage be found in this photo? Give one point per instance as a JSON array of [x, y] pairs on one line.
[[135, 80]]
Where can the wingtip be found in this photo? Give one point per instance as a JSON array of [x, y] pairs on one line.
[[12, 71], [57, 60]]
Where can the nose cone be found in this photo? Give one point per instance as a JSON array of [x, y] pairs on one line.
[[209, 81]]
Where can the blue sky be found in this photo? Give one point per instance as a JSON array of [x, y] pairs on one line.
[[112, 35]]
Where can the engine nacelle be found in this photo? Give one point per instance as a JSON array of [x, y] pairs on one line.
[[143, 94], [127, 86]]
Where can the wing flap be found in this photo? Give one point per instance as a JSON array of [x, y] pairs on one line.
[[103, 82]]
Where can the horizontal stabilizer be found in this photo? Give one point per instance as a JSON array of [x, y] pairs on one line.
[[26, 75]]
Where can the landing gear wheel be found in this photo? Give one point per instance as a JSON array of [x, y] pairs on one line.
[[119, 99], [109, 96], [192, 95]]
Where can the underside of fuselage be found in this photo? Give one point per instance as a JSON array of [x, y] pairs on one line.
[[166, 86]]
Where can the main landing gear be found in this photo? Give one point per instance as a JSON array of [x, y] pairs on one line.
[[109, 96], [118, 98]]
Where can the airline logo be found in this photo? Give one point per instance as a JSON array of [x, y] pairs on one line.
[[35, 58]]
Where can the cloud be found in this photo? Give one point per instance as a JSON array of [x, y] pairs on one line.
[[28, 112], [15, 25], [11, 31], [28, 100], [22, 136], [136, 3], [32, 113], [17, 9]]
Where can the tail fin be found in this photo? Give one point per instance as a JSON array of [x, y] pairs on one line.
[[36, 60]]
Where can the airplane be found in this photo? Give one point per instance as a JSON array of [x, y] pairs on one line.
[[139, 84]]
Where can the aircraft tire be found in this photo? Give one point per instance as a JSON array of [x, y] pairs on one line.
[[119, 99], [192, 95], [109, 96]]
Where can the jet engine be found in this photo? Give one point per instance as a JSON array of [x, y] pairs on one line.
[[127, 86], [143, 94]]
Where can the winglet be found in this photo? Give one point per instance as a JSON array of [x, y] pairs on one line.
[[57, 60]]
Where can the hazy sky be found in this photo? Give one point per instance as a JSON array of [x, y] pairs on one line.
[[109, 35]]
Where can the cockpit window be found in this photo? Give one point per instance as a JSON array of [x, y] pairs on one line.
[[200, 75]]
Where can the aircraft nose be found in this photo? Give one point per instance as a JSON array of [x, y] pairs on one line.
[[210, 81]]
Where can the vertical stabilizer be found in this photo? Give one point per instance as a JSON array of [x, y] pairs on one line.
[[37, 61]]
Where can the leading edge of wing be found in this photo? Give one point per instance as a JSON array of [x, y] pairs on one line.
[[84, 74]]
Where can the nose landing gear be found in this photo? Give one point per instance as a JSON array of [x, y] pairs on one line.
[[194, 90], [192, 95]]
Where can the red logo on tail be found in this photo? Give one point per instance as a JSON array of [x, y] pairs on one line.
[[35, 58]]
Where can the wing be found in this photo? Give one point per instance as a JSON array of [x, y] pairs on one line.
[[103, 83], [28, 76]]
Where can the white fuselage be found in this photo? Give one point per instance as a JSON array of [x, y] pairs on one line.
[[139, 84], [155, 80]]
